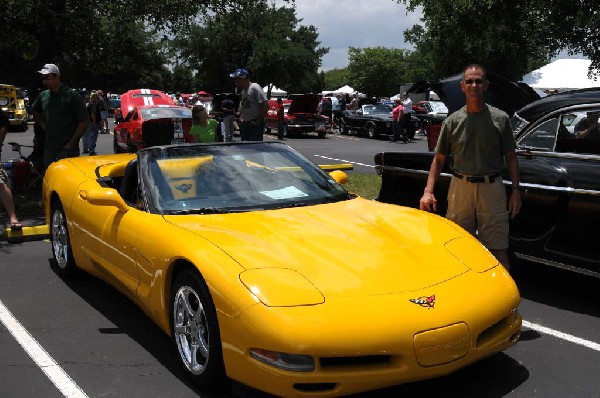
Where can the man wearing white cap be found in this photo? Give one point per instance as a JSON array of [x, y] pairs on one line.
[[61, 113], [253, 107]]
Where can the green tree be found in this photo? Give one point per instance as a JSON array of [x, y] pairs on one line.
[[184, 80], [254, 34], [335, 78], [90, 36], [376, 71], [510, 38]]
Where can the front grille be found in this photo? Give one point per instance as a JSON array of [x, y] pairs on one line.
[[367, 360], [312, 387]]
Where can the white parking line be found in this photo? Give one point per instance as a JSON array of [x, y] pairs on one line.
[[345, 137], [345, 161], [45, 362], [563, 336]]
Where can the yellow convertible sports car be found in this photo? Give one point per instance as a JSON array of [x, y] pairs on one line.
[[264, 270]]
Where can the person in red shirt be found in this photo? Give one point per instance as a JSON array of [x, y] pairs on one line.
[[398, 122]]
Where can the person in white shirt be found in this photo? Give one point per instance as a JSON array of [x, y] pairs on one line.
[[408, 125]]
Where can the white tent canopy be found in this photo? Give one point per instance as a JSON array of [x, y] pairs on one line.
[[276, 92], [345, 90], [562, 74]]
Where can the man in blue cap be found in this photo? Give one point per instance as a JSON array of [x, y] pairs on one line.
[[253, 107]]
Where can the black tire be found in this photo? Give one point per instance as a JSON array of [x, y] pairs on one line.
[[23, 126], [196, 332], [60, 241], [130, 147], [116, 148], [371, 130], [322, 134]]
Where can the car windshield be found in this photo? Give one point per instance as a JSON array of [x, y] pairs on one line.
[[374, 109], [225, 178], [438, 107], [161, 112]]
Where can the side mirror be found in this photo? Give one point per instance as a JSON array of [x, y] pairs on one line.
[[104, 197], [339, 176]]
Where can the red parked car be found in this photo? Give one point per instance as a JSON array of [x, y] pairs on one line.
[[301, 115], [148, 118]]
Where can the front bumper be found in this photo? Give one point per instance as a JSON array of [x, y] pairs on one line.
[[376, 342]]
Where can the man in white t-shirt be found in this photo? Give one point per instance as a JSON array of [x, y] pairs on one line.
[[253, 107]]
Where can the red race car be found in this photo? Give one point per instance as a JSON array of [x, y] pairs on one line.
[[149, 118]]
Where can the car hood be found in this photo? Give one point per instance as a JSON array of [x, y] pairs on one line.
[[379, 116], [306, 103], [502, 93], [350, 248]]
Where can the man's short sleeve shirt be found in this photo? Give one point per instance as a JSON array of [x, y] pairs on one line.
[[250, 107], [62, 111], [476, 141]]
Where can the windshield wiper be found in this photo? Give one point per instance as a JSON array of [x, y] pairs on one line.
[[203, 210]]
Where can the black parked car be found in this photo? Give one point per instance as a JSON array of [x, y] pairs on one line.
[[371, 119], [560, 177]]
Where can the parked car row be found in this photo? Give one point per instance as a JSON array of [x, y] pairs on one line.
[[148, 117]]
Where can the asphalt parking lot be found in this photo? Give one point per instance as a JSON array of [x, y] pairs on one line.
[[93, 342]]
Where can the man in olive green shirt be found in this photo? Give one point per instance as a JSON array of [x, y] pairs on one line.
[[480, 140], [61, 113]]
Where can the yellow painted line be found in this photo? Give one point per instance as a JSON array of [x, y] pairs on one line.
[[341, 166]]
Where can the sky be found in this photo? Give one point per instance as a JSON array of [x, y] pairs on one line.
[[355, 23], [360, 23]]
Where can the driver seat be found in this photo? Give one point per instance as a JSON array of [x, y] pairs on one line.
[[129, 184]]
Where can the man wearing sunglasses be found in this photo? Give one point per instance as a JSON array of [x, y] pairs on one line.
[[61, 113], [480, 140]]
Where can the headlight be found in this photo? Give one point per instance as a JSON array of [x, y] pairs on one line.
[[281, 287], [291, 362], [472, 254]]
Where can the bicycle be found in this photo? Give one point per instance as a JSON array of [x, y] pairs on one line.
[[24, 173]]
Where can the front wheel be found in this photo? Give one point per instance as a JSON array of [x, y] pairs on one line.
[[371, 130], [116, 148], [61, 244], [195, 331]]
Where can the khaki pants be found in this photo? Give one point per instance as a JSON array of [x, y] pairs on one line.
[[481, 209]]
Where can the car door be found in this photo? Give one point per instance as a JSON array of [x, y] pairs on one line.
[[108, 237], [575, 237], [545, 187]]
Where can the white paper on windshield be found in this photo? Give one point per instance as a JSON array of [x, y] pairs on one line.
[[285, 193]]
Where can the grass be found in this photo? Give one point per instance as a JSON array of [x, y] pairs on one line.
[[365, 185]]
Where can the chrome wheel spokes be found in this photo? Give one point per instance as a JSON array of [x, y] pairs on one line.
[[60, 242], [191, 330]]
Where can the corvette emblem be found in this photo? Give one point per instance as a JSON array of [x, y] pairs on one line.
[[184, 188], [424, 301]]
